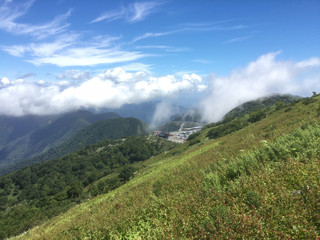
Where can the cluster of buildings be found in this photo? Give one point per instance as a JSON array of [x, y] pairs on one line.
[[177, 136]]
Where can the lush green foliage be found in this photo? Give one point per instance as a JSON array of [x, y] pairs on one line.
[[47, 189]]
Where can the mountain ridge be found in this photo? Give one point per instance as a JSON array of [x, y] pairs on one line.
[[31, 135]]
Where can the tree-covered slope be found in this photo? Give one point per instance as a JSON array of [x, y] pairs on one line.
[[24, 137], [100, 131], [258, 181]]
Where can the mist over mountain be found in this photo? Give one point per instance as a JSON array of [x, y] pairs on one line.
[[149, 112]]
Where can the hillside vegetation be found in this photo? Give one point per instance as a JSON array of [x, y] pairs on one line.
[[252, 177]]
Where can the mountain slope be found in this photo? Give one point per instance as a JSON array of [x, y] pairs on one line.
[[24, 137], [257, 182], [100, 131]]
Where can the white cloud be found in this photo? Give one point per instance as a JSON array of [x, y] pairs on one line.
[[202, 61], [68, 50], [151, 34], [135, 12], [192, 78], [238, 39], [112, 89], [74, 75], [202, 87], [137, 67], [140, 10], [10, 12], [5, 81], [44, 49], [165, 48], [87, 56], [110, 16], [207, 27], [260, 78]]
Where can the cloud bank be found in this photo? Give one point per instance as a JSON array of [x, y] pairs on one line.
[[111, 89], [260, 78]]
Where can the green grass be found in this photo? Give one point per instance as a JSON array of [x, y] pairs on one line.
[[261, 182]]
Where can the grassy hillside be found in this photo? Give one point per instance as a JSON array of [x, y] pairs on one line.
[[259, 180]]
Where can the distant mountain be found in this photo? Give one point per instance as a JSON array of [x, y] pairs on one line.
[[27, 136], [100, 131]]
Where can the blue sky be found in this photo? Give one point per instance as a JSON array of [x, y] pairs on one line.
[[141, 48]]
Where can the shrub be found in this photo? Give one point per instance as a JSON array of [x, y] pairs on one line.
[[257, 116], [194, 141], [252, 199], [157, 188], [227, 128], [126, 173], [193, 136]]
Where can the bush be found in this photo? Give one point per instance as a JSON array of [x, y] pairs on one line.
[[252, 199], [257, 116], [193, 136], [126, 173], [227, 128], [194, 141]]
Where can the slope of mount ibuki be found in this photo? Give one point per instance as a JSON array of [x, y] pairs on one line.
[[257, 181]]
